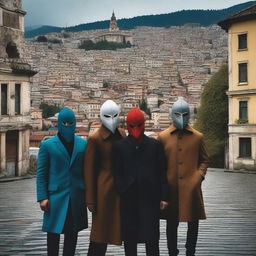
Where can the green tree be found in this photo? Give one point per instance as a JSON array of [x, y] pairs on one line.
[[106, 84], [49, 110], [42, 39], [87, 45], [144, 107], [54, 41], [103, 45], [212, 116]]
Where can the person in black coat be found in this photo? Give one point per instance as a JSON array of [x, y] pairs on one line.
[[140, 178]]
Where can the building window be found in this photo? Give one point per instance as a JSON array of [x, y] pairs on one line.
[[243, 110], [11, 20], [3, 99], [17, 99], [242, 41], [245, 147], [242, 72]]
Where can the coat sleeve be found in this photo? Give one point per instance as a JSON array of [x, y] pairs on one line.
[[116, 167], [90, 172], [163, 173], [203, 159], [42, 173]]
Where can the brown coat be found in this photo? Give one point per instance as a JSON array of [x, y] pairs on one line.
[[100, 191], [187, 163]]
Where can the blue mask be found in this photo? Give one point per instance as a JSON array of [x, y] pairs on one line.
[[180, 114], [67, 124]]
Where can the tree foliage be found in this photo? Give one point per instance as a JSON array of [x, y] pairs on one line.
[[54, 41], [49, 110], [103, 45], [212, 116], [144, 107], [106, 84], [42, 39]]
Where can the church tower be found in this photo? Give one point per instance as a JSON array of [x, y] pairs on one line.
[[113, 23]]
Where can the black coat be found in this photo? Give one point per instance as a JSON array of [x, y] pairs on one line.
[[140, 179]]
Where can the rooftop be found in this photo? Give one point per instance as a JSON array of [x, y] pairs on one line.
[[246, 14]]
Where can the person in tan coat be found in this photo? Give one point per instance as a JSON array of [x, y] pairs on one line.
[[187, 163], [101, 197]]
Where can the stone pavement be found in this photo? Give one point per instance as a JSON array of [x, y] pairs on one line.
[[230, 229]]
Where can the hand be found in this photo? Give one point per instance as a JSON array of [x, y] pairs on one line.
[[91, 208], [163, 205], [44, 205]]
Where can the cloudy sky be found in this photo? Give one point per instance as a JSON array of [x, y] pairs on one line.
[[72, 12]]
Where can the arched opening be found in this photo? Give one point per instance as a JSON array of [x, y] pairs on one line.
[[12, 50]]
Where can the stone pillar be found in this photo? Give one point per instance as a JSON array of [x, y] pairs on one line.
[[2, 152], [11, 99], [22, 27], [1, 17], [20, 154], [254, 149]]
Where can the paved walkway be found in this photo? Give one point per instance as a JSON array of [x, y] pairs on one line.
[[230, 201]]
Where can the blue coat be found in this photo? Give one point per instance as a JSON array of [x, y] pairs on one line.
[[60, 179]]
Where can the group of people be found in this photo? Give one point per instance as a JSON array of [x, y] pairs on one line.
[[128, 183]]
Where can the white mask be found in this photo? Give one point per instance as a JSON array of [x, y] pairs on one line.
[[109, 115]]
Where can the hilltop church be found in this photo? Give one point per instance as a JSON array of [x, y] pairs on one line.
[[114, 34]]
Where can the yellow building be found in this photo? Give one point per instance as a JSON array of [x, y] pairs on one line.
[[241, 28]]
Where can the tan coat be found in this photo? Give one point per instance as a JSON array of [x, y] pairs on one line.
[[187, 163], [100, 191]]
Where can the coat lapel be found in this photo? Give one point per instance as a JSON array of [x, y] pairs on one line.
[[75, 150], [62, 148]]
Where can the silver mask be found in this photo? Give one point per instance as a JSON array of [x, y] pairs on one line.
[[180, 114], [109, 115]]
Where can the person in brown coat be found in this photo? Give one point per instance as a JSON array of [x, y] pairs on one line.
[[101, 197], [187, 163]]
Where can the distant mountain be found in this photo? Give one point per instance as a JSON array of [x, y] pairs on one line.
[[29, 28], [202, 17]]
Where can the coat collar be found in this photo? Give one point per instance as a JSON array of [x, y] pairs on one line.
[[75, 150], [64, 151], [105, 133], [61, 147], [144, 140], [173, 129]]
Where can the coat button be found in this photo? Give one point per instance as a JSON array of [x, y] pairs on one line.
[[180, 163], [180, 149], [181, 177]]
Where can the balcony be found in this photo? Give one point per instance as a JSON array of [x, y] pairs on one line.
[[17, 66], [245, 129]]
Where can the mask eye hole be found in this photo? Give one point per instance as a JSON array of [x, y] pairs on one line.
[[65, 123], [115, 115], [107, 116], [185, 114], [139, 125], [132, 126], [178, 114]]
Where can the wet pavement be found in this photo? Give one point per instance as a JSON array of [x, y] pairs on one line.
[[230, 228]]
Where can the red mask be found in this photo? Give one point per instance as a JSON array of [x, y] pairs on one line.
[[135, 124]]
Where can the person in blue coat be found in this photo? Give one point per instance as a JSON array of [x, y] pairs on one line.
[[60, 185]]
